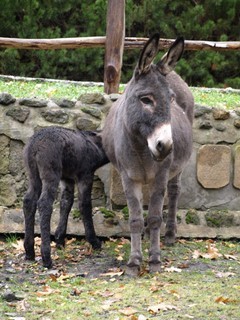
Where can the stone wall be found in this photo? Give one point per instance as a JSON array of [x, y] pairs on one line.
[[210, 182]]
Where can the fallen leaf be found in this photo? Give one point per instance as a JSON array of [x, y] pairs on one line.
[[46, 291], [230, 257], [161, 307], [128, 311], [65, 276], [173, 269], [112, 273], [225, 274], [212, 253], [70, 241], [120, 258], [22, 306], [224, 300], [18, 245]]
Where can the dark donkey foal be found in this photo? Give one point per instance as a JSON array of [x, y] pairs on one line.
[[53, 154]]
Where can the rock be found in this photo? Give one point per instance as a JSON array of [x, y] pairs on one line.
[[205, 124], [16, 157], [220, 127], [220, 114], [92, 98], [200, 110], [4, 151], [114, 96], [64, 103], [95, 112], [236, 177], [33, 102], [10, 296], [6, 98], [87, 124], [19, 113], [213, 166], [7, 190], [236, 123], [55, 116]]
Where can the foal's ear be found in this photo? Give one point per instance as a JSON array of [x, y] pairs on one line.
[[148, 53], [170, 59]]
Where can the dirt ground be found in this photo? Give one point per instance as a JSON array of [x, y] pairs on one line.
[[207, 270]]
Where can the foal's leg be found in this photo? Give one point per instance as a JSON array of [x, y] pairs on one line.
[[45, 207], [84, 185], [174, 186], [29, 210], [66, 202], [133, 192]]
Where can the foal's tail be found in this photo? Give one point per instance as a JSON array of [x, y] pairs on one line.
[[31, 166]]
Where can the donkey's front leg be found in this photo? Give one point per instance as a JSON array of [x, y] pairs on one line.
[[174, 186], [157, 192], [133, 192]]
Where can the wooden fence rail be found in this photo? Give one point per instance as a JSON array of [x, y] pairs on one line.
[[99, 42]]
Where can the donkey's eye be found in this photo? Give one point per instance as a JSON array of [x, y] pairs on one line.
[[147, 100]]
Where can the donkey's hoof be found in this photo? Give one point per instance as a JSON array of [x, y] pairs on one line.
[[170, 238], [132, 271], [155, 267]]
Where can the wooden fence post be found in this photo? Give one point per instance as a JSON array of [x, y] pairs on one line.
[[115, 35]]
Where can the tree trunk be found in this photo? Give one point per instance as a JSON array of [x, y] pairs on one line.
[[114, 45]]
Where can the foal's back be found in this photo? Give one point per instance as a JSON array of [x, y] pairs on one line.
[[64, 152]]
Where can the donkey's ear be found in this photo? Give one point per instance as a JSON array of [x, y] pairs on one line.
[[170, 59], [148, 54]]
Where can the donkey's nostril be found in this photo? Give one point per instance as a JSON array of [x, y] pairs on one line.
[[159, 146]]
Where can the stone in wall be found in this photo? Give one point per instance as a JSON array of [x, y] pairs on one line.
[[8, 194], [213, 166], [4, 151], [117, 194], [6, 99], [19, 113], [55, 116], [236, 179]]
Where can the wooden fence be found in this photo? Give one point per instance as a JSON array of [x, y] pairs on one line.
[[114, 42]]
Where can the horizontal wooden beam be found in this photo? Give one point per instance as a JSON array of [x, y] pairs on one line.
[[99, 42]]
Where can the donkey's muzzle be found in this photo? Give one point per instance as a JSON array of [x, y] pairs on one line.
[[162, 151]]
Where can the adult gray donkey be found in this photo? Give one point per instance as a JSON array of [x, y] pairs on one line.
[[148, 137]]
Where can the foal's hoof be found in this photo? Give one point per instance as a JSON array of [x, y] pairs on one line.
[[97, 244], [47, 263], [60, 244], [155, 267], [30, 257]]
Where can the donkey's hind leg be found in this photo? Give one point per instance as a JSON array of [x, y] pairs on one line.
[[84, 185], [29, 210], [45, 207], [174, 186], [66, 202]]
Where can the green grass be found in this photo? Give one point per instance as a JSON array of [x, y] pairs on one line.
[[187, 288], [218, 98], [229, 99]]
